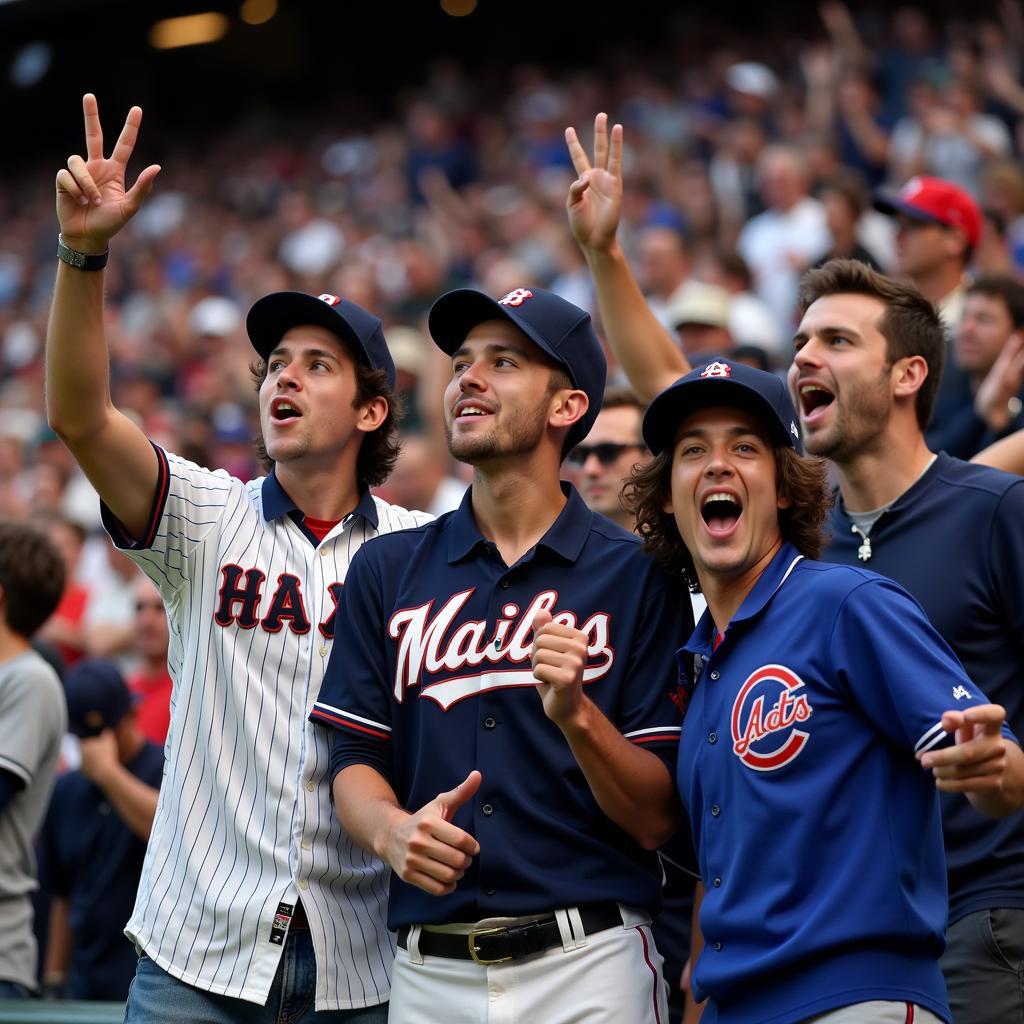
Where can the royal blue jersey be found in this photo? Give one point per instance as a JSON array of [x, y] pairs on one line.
[[955, 541], [818, 833], [430, 677]]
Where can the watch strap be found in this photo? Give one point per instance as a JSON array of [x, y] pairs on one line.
[[81, 260]]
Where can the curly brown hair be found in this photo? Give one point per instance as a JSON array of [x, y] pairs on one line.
[[31, 575], [380, 448], [801, 479]]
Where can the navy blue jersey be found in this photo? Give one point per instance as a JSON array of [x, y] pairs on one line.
[[88, 855], [818, 833], [430, 678], [955, 540]]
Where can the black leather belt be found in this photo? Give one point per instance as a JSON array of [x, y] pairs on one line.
[[501, 944]]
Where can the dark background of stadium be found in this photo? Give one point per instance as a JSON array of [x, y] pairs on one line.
[[347, 61]]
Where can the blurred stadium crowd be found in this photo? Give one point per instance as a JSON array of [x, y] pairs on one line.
[[740, 174]]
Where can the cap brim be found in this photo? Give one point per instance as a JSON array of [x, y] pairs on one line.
[[668, 410], [274, 315], [892, 205], [455, 314]]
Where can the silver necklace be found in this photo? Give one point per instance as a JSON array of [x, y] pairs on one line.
[[864, 551]]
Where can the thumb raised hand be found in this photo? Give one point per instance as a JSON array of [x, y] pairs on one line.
[[451, 801]]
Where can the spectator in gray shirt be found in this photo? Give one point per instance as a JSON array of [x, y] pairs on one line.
[[33, 719]]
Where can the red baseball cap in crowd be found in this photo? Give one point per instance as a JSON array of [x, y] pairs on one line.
[[934, 200]]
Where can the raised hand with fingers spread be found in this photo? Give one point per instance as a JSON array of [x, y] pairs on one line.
[[650, 358], [595, 198], [92, 202]]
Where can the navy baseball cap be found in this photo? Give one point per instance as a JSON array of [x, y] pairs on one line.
[[275, 314], [722, 382], [97, 697], [557, 327]]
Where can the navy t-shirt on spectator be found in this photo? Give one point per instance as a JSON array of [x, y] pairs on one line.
[[88, 855]]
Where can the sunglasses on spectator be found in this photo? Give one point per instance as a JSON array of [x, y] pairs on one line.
[[605, 453]]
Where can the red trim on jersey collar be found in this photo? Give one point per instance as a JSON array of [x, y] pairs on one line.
[[319, 527]]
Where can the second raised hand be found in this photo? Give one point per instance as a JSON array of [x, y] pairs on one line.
[[594, 204]]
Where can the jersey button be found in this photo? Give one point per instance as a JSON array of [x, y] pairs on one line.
[[505, 584], [488, 809], [712, 737], [490, 891], [489, 723], [715, 810], [718, 883], [717, 947], [311, 785], [714, 674], [323, 552]]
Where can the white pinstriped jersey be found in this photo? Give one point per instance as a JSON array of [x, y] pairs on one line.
[[244, 821]]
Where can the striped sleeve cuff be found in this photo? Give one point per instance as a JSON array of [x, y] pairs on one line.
[[656, 734], [931, 738], [339, 719], [119, 534]]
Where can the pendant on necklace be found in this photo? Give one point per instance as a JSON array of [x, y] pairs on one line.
[[864, 551]]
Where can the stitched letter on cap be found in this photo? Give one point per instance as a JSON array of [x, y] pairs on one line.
[[516, 297], [331, 300], [717, 370]]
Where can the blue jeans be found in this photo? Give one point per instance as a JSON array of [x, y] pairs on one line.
[[157, 998]]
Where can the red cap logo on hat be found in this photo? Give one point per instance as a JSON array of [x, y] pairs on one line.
[[516, 297], [717, 370], [331, 300], [946, 203]]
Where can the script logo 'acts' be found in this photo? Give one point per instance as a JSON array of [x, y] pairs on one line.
[[717, 370], [765, 714], [516, 297]]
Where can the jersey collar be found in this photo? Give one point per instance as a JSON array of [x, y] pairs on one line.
[[938, 464], [277, 502], [779, 568], [564, 538]]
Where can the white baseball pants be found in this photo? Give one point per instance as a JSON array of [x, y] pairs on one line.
[[609, 977]]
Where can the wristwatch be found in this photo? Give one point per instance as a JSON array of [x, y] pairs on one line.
[[81, 260]]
